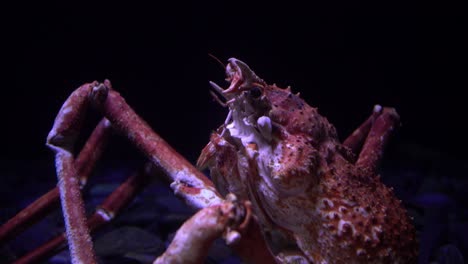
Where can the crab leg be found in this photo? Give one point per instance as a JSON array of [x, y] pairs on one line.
[[84, 164], [201, 230], [61, 140], [196, 189], [357, 138], [377, 138], [111, 206], [193, 239], [189, 183], [370, 138]]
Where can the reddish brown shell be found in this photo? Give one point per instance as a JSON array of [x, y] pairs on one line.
[[302, 181]]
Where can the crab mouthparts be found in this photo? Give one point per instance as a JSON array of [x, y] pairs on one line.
[[241, 78], [218, 94]]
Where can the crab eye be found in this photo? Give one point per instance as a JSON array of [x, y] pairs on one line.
[[255, 92]]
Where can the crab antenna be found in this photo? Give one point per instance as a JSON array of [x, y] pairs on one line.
[[218, 60]]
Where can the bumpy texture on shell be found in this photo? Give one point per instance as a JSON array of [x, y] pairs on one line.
[[281, 154]]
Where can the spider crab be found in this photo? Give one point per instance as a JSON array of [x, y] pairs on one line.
[[285, 189]]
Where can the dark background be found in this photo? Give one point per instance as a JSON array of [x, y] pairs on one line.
[[342, 59], [409, 57]]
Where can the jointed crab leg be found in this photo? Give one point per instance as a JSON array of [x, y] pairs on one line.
[[84, 164], [92, 150], [188, 182], [368, 140], [357, 138], [61, 140], [193, 239], [372, 150], [193, 186], [111, 206]]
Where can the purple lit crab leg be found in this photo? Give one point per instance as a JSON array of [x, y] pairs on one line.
[[191, 184], [84, 164], [61, 140], [357, 138], [111, 206], [377, 138], [195, 236], [188, 182]]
